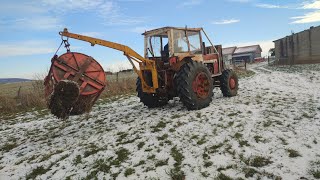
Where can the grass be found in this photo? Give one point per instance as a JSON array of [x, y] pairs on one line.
[[177, 156], [242, 73], [158, 127], [21, 97], [214, 148], [8, 146], [92, 149], [128, 172], [105, 165], [153, 156], [77, 160], [122, 155], [267, 123], [161, 162], [259, 161], [283, 141], [205, 174], [237, 135], [315, 173], [202, 141], [208, 164], [315, 169], [122, 135], [243, 143], [176, 173], [163, 137], [140, 145], [224, 168], [36, 172], [48, 156], [293, 153], [258, 138], [232, 114], [102, 165], [306, 115], [249, 172], [176, 116], [140, 163], [222, 176]]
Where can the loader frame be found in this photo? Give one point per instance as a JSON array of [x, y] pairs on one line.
[[145, 65]]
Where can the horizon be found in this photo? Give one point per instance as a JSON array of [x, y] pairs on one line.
[[29, 29]]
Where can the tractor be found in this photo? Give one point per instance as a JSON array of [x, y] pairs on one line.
[[176, 63]]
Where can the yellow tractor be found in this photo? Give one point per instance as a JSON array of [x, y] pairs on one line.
[[176, 63]]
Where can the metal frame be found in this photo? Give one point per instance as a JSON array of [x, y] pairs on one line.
[[144, 64]]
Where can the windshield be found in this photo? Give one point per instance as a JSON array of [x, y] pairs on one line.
[[181, 42], [155, 45]]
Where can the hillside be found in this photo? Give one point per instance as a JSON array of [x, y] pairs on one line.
[[269, 131], [13, 80]]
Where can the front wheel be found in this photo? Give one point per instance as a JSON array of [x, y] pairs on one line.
[[229, 83], [150, 100]]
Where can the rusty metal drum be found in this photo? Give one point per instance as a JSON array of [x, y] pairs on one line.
[[74, 83]]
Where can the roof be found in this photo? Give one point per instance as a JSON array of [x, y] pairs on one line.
[[247, 49], [242, 54], [164, 29], [228, 50]]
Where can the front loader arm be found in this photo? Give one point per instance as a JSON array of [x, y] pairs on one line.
[[144, 64]]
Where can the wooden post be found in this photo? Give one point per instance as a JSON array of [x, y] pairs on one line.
[[117, 76], [245, 64], [19, 93]]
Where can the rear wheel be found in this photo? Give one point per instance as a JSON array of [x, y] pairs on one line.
[[229, 83], [194, 85], [150, 100]]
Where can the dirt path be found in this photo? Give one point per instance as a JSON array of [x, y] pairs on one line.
[[270, 130]]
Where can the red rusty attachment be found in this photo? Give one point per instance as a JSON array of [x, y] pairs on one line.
[[81, 69]]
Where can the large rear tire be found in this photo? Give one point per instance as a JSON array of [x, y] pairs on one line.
[[150, 100], [194, 85], [229, 83]]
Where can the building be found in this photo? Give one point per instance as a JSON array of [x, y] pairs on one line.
[[240, 54], [228, 53], [247, 53], [299, 48]]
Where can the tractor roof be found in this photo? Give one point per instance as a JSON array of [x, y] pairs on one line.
[[163, 30]]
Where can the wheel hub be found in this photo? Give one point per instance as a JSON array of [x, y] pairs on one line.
[[232, 83], [201, 85]]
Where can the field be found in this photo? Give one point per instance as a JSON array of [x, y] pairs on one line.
[[11, 89], [25, 96], [271, 130]]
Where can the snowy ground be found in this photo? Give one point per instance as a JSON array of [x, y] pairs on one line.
[[270, 130]]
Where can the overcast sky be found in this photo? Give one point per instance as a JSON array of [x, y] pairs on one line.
[[29, 29]]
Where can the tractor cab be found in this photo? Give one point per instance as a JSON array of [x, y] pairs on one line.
[[170, 45]]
